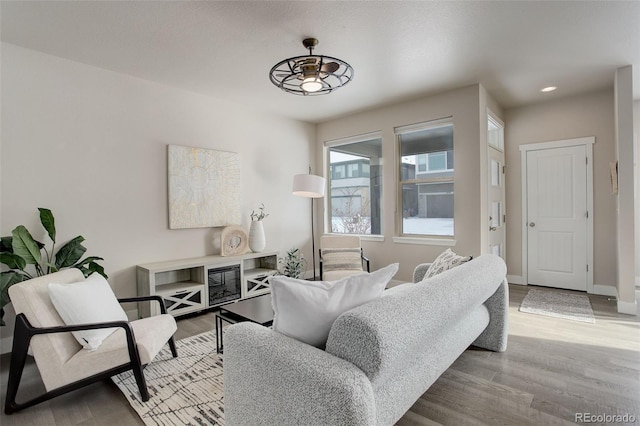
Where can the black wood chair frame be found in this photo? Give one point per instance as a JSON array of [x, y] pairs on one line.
[[363, 259], [24, 331]]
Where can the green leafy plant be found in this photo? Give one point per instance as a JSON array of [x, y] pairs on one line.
[[293, 263], [260, 215], [24, 257]]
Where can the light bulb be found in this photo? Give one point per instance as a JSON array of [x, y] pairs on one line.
[[311, 83]]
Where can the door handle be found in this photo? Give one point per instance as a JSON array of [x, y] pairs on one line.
[[532, 224], [492, 228]]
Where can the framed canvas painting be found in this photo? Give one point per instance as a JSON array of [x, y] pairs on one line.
[[204, 187]]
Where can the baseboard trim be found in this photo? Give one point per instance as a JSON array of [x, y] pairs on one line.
[[604, 290], [629, 308], [515, 279]]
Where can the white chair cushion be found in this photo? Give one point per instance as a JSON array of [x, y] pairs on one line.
[[86, 302], [151, 335], [306, 310]]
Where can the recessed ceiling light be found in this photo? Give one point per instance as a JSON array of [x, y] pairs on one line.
[[548, 89]]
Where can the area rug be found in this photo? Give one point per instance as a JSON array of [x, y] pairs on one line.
[[184, 391], [575, 307]]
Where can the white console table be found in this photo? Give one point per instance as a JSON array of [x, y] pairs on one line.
[[192, 285]]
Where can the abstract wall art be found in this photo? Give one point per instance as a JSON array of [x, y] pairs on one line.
[[204, 187]]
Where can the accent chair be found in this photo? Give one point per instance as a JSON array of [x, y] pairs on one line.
[[62, 362], [341, 256]]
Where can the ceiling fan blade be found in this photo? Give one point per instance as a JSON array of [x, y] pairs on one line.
[[329, 67]]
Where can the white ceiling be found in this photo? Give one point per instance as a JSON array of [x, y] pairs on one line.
[[399, 50]]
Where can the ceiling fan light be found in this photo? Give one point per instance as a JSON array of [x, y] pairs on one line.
[[311, 75], [311, 84]]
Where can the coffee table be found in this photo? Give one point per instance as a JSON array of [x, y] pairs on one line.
[[257, 309]]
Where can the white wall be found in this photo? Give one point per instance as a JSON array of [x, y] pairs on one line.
[[90, 144], [463, 105], [591, 114]]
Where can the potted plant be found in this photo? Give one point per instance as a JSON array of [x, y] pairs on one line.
[[24, 257], [257, 241], [293, 263]]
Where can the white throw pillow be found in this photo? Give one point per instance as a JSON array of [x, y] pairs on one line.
[[306, 310], [85, 302], [447, 260]]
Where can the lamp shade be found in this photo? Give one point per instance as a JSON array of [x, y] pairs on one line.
[[310, 186]]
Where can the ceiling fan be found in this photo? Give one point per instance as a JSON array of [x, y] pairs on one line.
[[311, 74]]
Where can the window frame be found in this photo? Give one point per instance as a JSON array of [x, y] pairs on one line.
[[400, 235], [328, 214]]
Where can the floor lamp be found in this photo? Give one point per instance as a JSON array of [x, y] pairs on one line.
[[309, 186]]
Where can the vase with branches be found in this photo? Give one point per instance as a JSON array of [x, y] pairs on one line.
[[257, 239]]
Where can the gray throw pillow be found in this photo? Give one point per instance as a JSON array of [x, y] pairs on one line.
[[447, 260], [340, 259]]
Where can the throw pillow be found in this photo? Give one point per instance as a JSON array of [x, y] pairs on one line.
[[85, 302], [340, 259], [447, 260], [306, 310]]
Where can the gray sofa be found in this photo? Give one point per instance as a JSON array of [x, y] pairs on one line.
[[379, 359]]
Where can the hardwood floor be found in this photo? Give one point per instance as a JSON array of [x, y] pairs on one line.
[[552, 369]]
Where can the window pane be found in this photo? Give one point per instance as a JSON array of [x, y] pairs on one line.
[[352, 169], [356, 192], [495, 173], [422, 163], [426, 173], [426, 213], [438, 161]]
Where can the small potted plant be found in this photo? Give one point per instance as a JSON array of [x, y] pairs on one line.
[[257, 241], [293, 264]]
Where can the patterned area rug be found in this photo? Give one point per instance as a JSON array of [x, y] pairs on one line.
[[184, 391], [575, 307]]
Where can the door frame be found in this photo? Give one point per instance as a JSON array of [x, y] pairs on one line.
[[587, 142]]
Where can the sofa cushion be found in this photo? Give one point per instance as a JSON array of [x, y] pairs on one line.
[[86, 302], [445, 261], [306, 310]]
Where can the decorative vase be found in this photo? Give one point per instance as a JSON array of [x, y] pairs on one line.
[[257, 240]]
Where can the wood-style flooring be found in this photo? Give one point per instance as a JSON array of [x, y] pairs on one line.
[[552, 369]]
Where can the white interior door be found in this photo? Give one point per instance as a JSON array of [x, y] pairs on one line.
[[556, 217]]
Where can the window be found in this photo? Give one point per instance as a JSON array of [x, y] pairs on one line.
[[432, 162], [495, 132], [426, 178], [355, 166], [353, 170], [338, 171]]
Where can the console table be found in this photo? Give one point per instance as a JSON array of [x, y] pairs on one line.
[[192, 285]]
